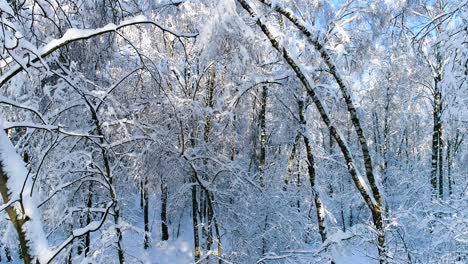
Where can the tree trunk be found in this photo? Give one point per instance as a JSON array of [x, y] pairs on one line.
[[89, 204], [441, 164], [110, 179], [218, 234], [207, 212], [311, 170], [449, 166], [196, 239], [262, 120], [436, 140], [386, 136], [164, 223], [142, 194], [118, 231], [146, 214], [210, 204], [16, 218], [209, 238], [291, 162], [452, 149]]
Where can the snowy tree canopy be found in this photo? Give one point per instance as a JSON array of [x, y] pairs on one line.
[[233, 131]]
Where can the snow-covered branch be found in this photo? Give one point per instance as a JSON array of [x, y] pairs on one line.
[[74, 34]]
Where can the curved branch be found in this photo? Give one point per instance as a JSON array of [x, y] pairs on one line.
[[112, 88], [4, 100], [91, 227], [74, 34], [59, 129]]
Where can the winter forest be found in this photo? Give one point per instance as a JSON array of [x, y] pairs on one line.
[[234, 131]]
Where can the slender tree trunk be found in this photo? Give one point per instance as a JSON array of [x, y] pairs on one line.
[[452, 149], [146, 214], [142, 194], [449, 166], [262, 158], [210, 204], [436, 137], [208, 197], [209, 237], [386, 133], [118, 231], [377, 149], [311, 170], [262, 120], [386, 142], [89, 205], [110, 179], [291, 159], [441, 164], [196, 238], [438, 125], [113, 195], [164, 223], [195, 203], [318, 202], [218, 234]]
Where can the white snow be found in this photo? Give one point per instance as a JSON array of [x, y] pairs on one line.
[[15, 170], [344, 251], [5, 7]]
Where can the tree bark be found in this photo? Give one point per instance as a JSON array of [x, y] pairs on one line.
[[196, 238], [142, 194], [146, 214], [16, 218], [89, 204], [209, 237], [311, 170], [262, 121], [436, 141], [291, 160], [441, 163], [449, 166], [164, 223]]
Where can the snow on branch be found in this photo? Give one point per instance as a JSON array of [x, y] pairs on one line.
[[19, 186], [59, 129], [75, 34], [7, 101], [91, 227]]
